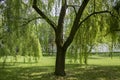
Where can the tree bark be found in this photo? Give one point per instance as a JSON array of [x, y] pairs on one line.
[[60, 62], [61, 51], [60, 55]]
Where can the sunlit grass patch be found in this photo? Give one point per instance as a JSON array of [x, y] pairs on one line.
[[104, 61]]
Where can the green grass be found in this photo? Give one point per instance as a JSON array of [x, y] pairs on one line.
[[104, 61], [98, 68]]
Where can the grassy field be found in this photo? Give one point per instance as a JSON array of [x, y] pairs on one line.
[[98, 68]]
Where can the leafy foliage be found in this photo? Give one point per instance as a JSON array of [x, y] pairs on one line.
[[16, 37], [98, 29]]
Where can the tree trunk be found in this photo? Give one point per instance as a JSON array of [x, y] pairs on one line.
[[60, 62]]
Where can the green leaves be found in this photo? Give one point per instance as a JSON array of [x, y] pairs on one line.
[[18, 40], [117, 6]]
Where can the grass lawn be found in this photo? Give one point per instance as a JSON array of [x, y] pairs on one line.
[[98, 68]]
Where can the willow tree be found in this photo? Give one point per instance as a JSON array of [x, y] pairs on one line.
[[16, 37], [62, 45]]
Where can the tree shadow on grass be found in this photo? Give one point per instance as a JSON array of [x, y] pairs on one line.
[[74, 72], [29, 73], [94, 73]]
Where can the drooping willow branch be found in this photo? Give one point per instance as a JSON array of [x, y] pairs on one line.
[[115, 30], [99, 12], [94, 5], [28, 21]]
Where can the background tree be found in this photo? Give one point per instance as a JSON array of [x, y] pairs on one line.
[[16, 37]]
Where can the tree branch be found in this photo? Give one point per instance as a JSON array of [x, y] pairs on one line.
[[30, 20], [94, 14], [59, 33], [53, 25], [75, 26], [74, 7], [62, 15], [94, 5], [115, 30], [100, 12]]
